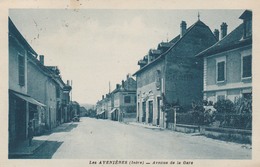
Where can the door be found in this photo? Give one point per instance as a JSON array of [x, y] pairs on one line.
[[158, 110], [20, 124], [144, 111], [150, 118]]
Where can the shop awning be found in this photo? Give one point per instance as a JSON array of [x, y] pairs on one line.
[[29, 99], [113, 110], [101, 112]]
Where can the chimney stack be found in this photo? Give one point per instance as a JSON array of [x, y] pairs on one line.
[[102, 97], [223, 28], [127, 76], [216, 34], [123, 84], [183, 28], [117, 86], [42, 59], [68, 82]]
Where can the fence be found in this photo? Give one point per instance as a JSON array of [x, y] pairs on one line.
[[224, 120]]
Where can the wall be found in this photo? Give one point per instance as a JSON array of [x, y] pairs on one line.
[[184, 72], [147, 91], [18, 109], [233, 86], [14, 48]]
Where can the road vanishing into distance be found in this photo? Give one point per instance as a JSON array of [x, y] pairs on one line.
[[105, 139]]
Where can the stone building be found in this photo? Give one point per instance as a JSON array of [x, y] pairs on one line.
[[171, 73], [228, 63]]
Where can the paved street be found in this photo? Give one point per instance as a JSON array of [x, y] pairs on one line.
[[104, 139]]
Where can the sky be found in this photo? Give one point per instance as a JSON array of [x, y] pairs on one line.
[[93, 47]]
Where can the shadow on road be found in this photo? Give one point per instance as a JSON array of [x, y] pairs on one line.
[[46, 151], [66, 129]]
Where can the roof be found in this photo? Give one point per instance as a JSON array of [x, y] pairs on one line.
[[47, 70], [174, 42], [246, 15], [231, 41], [12, 28]]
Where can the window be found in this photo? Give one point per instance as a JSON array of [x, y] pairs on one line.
[[248, 28], [21, 69], [221, 71], [247, 95], [57, 92], [158, 79], [247, 66], [127, 99], [220, 97]]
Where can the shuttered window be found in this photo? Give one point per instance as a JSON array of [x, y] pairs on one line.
[[21, 69], [221, 71], [247, 66]]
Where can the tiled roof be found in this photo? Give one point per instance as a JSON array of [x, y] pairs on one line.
[[174, 43], [231, 41], [155, 51]]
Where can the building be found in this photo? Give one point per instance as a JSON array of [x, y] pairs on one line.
[[41, 86], [228, 63], [101, 112], [20, 103], [124, 101], [172, 74], [84, 112], [62, 95], [37, 93]]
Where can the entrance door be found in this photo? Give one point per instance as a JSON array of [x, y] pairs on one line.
[[150, 118], [20, 117], [144, 111], [158, 110]]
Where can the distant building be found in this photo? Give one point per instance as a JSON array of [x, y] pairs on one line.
[[171, 73], [74, 109], [101, 113], [120, 104], [83, 112], [124, 101], [228, 63]]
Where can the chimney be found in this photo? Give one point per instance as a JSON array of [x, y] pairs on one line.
[[123, 84], [102, 97], [42, 59], [127, 76], [216, 34], [223, 28], [183, 28], [117, 86], [68, 82]]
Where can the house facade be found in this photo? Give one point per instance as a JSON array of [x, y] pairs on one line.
[[172, 74], [20, 103], [228, 64], [120, 104], [124, 101]]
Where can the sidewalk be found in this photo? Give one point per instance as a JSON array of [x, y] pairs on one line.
[[24, 150], [148, 126]]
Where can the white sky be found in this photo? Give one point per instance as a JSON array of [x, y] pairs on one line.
[[95, 46]]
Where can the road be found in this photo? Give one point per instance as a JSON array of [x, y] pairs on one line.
[[104, 139]]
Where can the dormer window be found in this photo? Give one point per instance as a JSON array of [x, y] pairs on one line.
[[248, 28], [247, 21]]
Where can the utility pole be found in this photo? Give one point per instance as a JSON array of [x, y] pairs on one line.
[[109, 87], [71, 90]]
